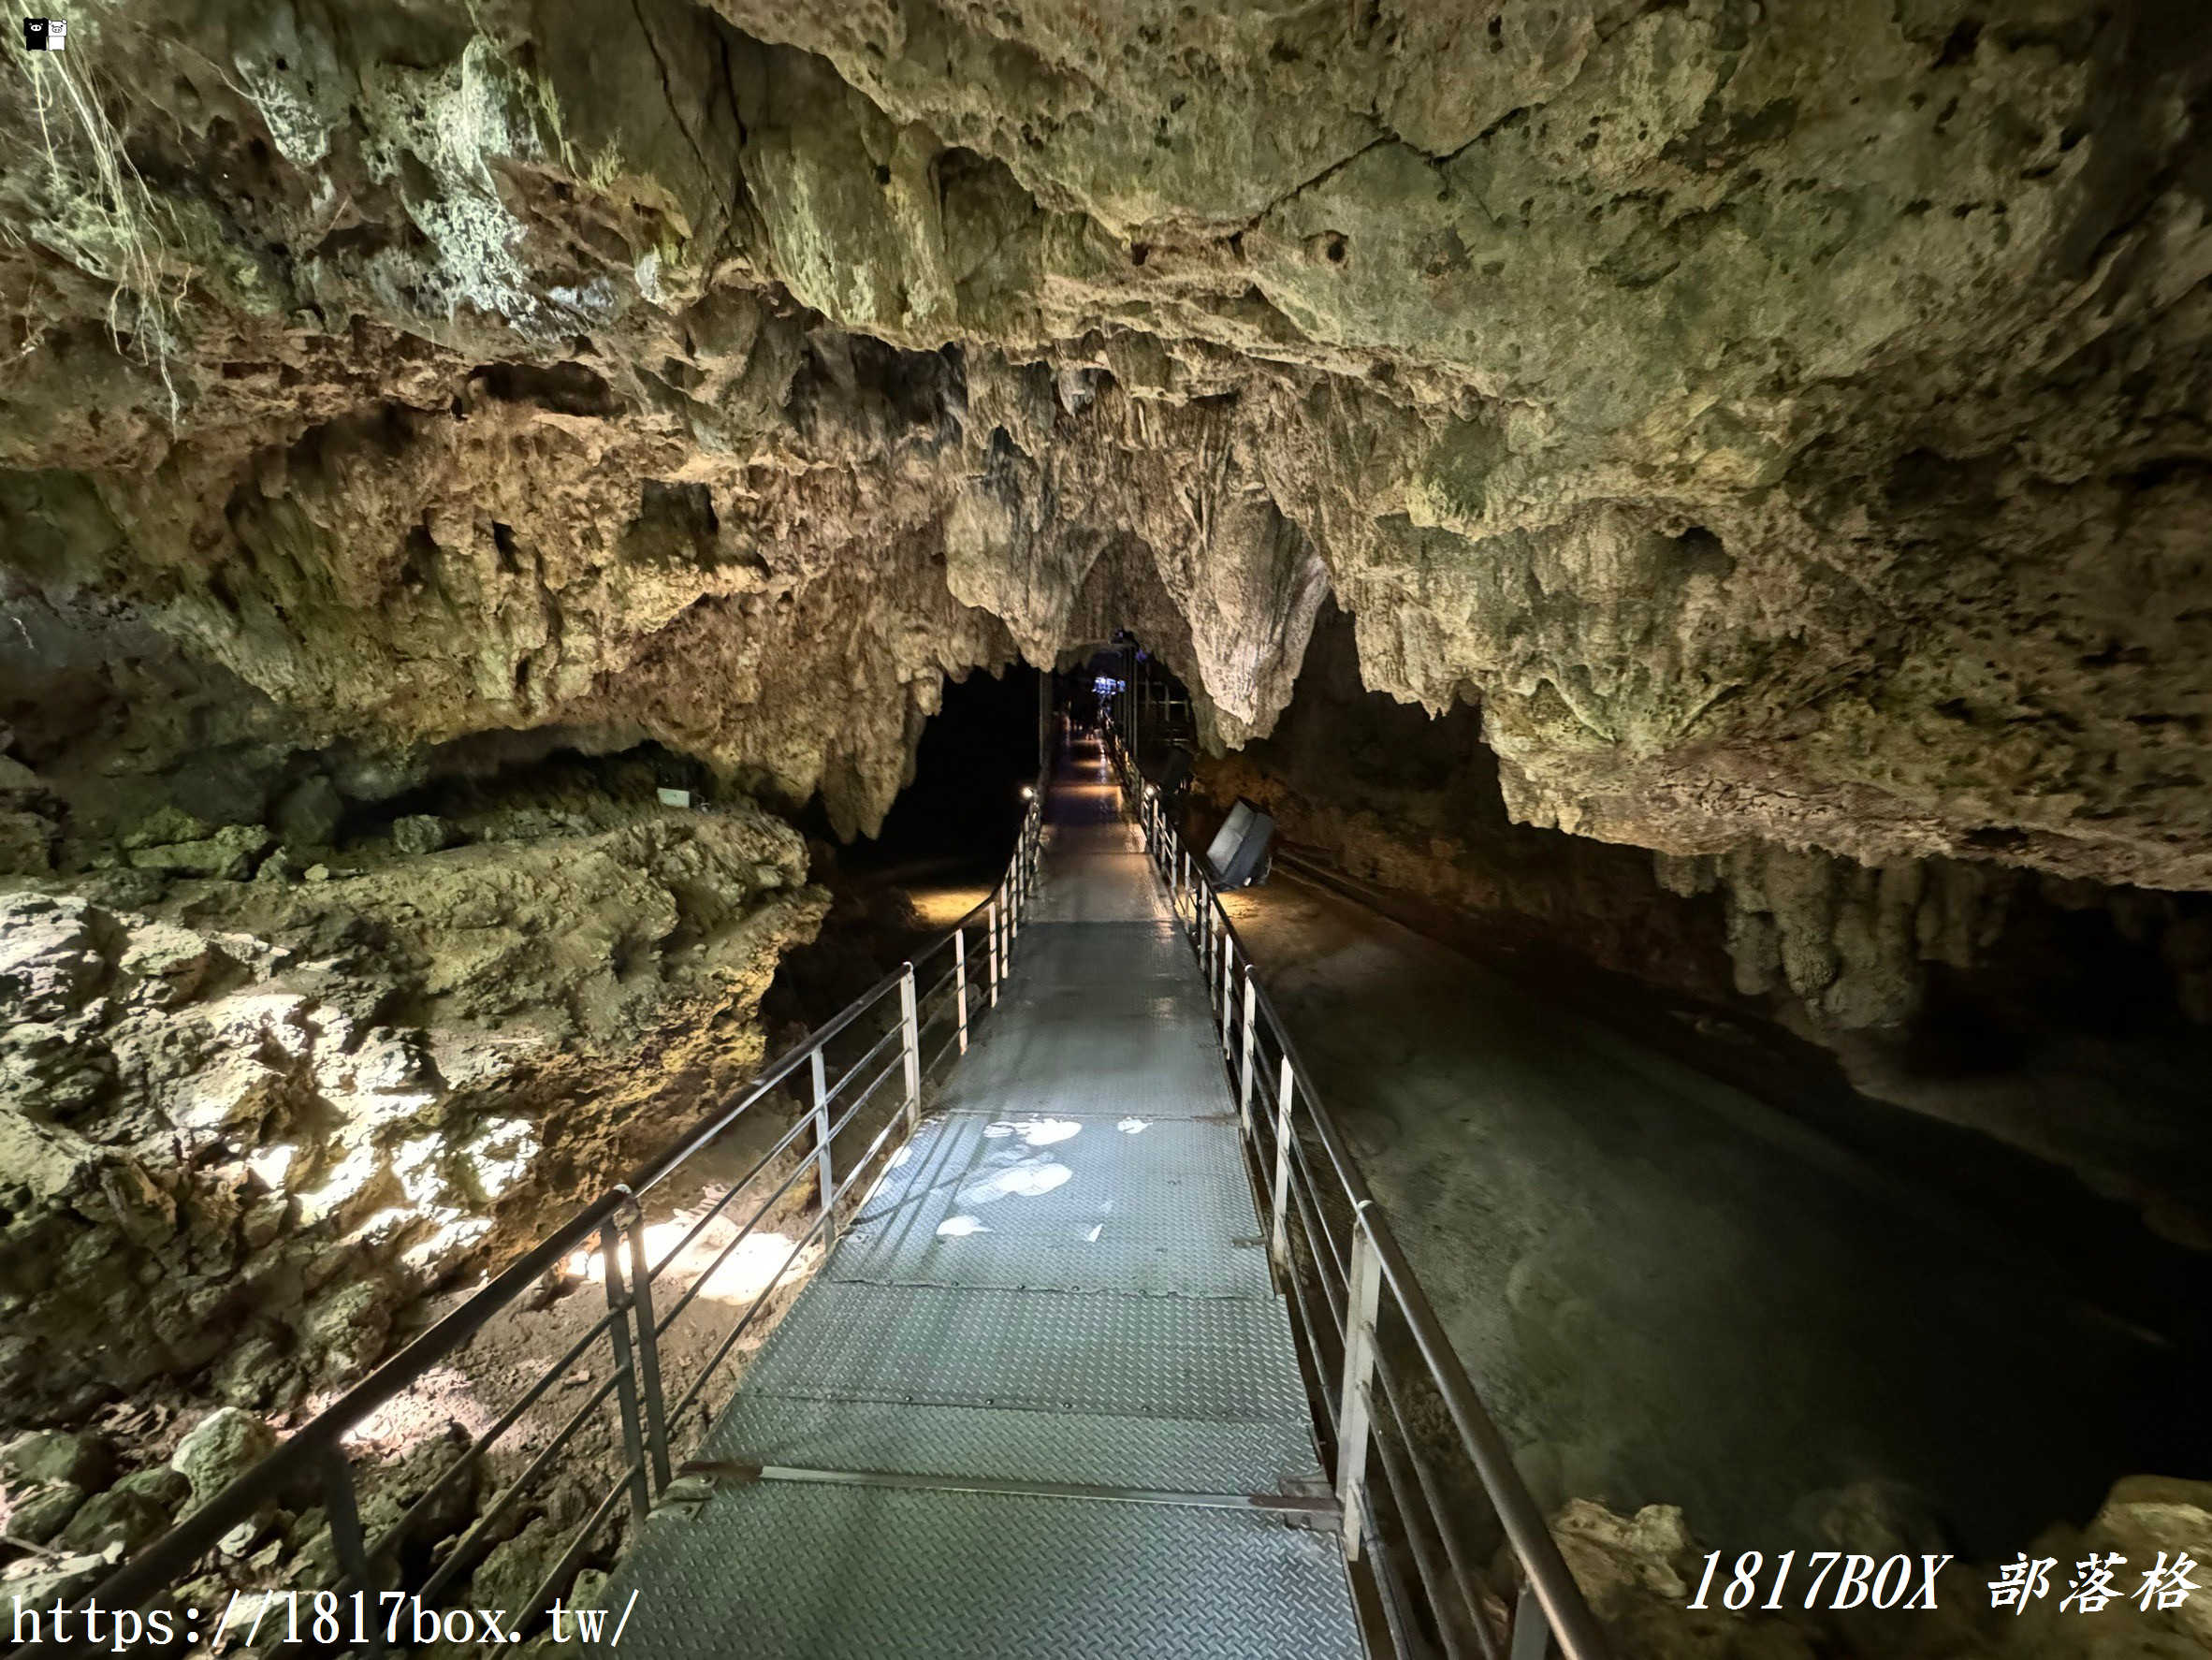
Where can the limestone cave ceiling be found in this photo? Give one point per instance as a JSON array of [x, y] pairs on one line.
[[1787, 421]]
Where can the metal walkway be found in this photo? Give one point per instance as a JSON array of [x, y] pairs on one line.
[[1041, 1401]]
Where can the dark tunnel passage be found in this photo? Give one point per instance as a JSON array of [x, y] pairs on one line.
[[940, 847], [975, 756]]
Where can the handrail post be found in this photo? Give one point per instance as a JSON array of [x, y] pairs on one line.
[[1244, 1071], [1532, 1636], [959, 982], [910, 1030], [1228, 969], [1278, 1239], [1363, 1295], [825, 1161], [648, 1351], [618, 1333], [994, 921], [341, 1510]]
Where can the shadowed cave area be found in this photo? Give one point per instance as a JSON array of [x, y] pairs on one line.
[[572, 583]]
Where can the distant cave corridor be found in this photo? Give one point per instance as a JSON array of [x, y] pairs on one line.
[[622, 640]]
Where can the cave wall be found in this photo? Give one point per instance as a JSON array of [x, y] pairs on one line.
[[2069, 1019], [255, 1106], [1380, 791], [1786, 422], [1384, 794]]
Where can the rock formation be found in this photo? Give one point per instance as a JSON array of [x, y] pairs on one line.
[[1786, 423], [251, 1118], [2065, 1017], [1641, 1571], [1419, 806]]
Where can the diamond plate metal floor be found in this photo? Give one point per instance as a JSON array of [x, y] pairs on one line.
[[806, 1572], [1102, 957], [1040, 1397], [1114, 1354], [1064, 1059], [1195, 1455], [1065, 1205]]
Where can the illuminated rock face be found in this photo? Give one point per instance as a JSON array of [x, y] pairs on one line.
[[257, 1137]]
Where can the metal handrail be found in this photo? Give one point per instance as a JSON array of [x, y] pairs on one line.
[[1377, 1268], [314, 1454]]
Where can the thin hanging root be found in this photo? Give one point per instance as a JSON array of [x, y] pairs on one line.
[[105, 219]]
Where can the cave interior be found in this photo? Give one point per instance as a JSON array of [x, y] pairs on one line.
[[544, 555]]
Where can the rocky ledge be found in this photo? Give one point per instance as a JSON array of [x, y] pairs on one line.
[[245, 1119]]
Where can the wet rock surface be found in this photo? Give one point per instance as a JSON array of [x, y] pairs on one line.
[[1678, 1278], [2066, 1018]]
